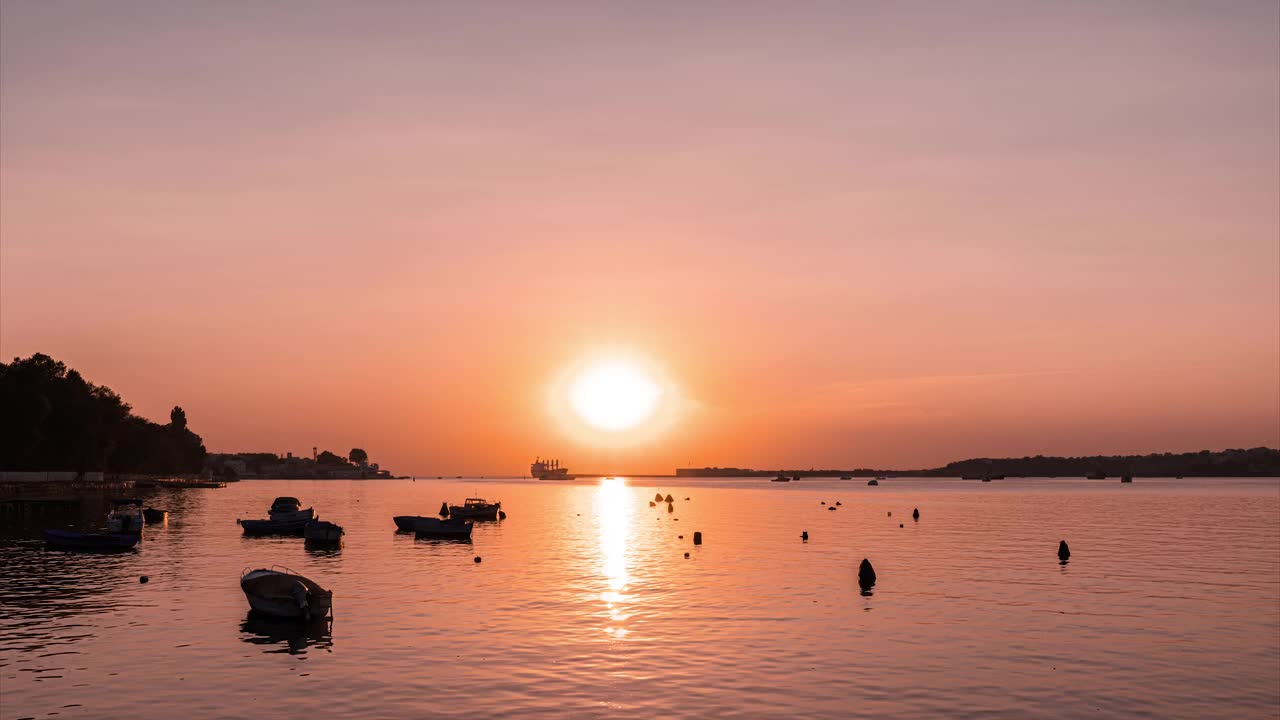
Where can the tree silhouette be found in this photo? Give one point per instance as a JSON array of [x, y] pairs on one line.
[[358, 456], [178, 418]]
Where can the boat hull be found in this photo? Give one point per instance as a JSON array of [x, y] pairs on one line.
[[488, 513], [432, 527], [273, 527], [319, 531], [91, 542], [154, 516], [291, 516]]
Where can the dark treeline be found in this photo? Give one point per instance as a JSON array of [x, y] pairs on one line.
[[1258, 461], [51, 418]]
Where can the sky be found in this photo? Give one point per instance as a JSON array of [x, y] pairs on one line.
[[835, 234]]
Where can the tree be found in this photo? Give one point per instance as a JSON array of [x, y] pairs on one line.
[[358, 456], [327, 458], [178, 418]]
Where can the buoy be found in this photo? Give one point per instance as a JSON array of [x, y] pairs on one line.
[[901, 525], [1064, 552], [839, 503], [477, 558], [832, 508], [697, 538], [915, 514], [866, 574], [804, 535], [679, 537], [670, 499], [890, 513], [502, 514], [686, 554], [657, 498], [686, 498], [652, 504], [143, 579], [823, 502], [671, 508]]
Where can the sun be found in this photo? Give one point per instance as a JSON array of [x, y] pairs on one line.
[[613, 396]]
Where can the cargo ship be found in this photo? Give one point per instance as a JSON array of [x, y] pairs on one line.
[[549, 470]]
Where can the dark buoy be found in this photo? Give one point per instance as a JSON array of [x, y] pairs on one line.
[[143, 579], [915, 514], [697, 538], [477, 558], [901, 525], [657, 498], [669, 499], [502, 514], [866, 574], [652, 504], [686, 498], [873, 482], [671, 508], [1064, 552], [804, 535], [839, 503], [822, 502], [890, 513], [444, 509], [679, 537], [832, 508], [686, 554]]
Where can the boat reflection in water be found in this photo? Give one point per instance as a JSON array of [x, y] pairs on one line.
[[287, 636], [613, 512]]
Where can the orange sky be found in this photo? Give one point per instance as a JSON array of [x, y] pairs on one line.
[[846, 235]]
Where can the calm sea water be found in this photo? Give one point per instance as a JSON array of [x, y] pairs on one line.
[[585, 606]]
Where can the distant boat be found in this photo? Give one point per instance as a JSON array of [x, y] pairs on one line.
[[100, 542], [781, 478], [1096, 475], [320, 531], [549, 470], [973, 477], [476, 509], [280, 592], [873, 482], [435, 527], [846, 477]]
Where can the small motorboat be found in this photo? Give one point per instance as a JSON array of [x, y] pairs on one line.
[[126, 517], [476, 509], [100, 542], [321, 531], [846, 477], [281, 592], [781, 478], [275, 527], [873, 482], [154, 516], [435, 527], [288, 508]]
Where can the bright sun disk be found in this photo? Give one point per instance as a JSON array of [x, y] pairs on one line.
[[614, 396]]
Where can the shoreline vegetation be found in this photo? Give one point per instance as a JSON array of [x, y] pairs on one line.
[[56, 428]]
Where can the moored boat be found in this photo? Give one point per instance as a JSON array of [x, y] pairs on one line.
[[154, 516], [274, 527], [476, 509], [435, 527], [549, 470], [321, 531], [873, 482], [781, 478], [101, 542], [288, 508], [126, 517], [281, 592]]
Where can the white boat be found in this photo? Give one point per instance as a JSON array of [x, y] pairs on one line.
[[435, 527], [281, 592]]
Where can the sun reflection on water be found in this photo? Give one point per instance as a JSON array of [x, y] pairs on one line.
[[613, 510]]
